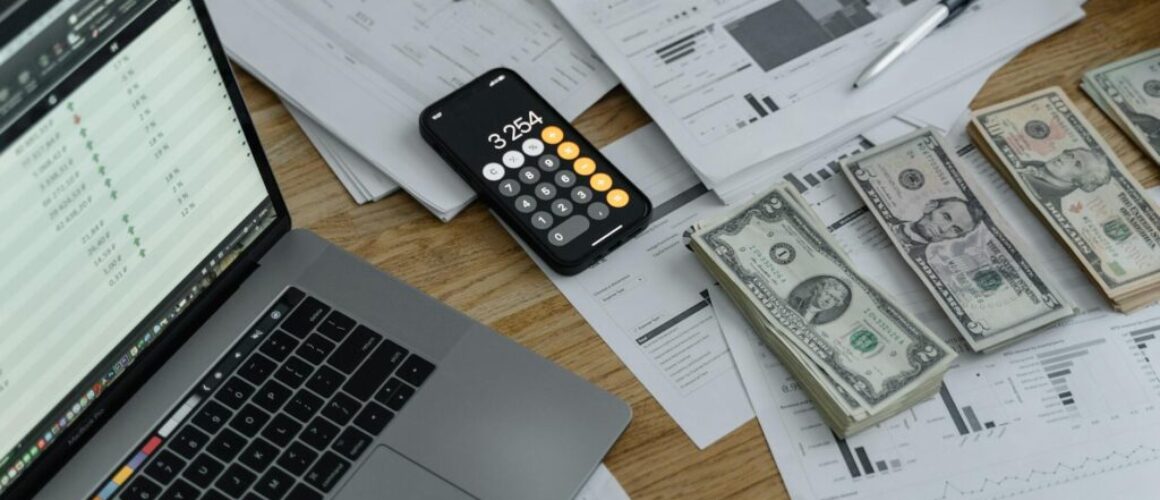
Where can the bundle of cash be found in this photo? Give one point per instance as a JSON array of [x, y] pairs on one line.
[[953, 237], [859, 356], [1128, 91], [1067, 174]]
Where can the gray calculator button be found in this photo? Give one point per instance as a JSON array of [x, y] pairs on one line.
[[529, 175], [569, 230], [562, 208], [509, 188], [513, 159], [542, 220], [533, 147], [545, 191], [565, 178], [549, 163], [598, 211], [493, 172], [581, 194], [525, 204]]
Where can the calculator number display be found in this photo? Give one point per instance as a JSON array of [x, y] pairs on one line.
[[514, 131]]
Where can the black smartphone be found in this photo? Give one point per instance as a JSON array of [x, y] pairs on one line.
[[546, 181]]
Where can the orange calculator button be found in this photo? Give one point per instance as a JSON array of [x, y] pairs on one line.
[[601, 182], [617, 198], [568, 150], [584, 166], [552, 134]]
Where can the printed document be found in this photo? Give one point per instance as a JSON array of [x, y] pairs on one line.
[[364, 70], [1067, 414], [736, 82]]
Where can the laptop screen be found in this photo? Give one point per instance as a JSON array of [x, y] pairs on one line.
[[127, 185]]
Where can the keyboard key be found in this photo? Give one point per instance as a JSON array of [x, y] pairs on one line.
[[141, 489], [294, 372], [274, 484], [181, 490], [259, 454], [309, 313], [165, 467], [291, 297], [302, 492], [272, 396], [569, 230], [189, 441], [336, 326], [250, 420], [374, 418], [415, 370], [281, 430], [388, 391], [402, 394], [375, 371], [226, 445], [327, 471], [214, 495], [203, 470], [235, 392], [236, 481], [341, 409], [212, 417], [319, 433], [354, 349], [257, 369], [325, 381], [279, 346], [315, 349], [351, 443], [297, 458], [304, 405]]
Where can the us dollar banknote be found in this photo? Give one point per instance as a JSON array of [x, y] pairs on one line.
[[1067, 173], [852, 345], [953, 237], [1128, 91]]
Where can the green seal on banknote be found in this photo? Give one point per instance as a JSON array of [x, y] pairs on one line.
[[864, 341]]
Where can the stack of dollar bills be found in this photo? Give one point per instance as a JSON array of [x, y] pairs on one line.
[[954, 238], [1128, 91], [1065, 171], [859, 356]]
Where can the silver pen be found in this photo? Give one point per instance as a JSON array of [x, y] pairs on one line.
[[942, 13]]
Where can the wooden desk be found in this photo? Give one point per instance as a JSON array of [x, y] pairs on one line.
[[474, 266]]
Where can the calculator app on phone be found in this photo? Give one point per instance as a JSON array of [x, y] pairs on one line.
[[545, 180]]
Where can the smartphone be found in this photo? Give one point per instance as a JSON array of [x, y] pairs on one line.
[[564, 199]]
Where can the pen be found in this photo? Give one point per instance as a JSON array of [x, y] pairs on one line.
[[942, 13]]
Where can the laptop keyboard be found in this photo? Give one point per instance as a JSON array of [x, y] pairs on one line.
[[284, 415]]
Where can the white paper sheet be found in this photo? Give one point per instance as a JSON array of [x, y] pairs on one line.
[[363, 181], [1019, 428], [734, 83], [602, 486], [648, 300], [364, 70]]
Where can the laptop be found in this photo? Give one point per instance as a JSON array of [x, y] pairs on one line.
[[167, 335]]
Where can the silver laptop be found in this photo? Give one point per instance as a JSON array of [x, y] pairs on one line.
[[166, 335]]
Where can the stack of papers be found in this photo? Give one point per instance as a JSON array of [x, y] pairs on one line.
[[362, 72], [363, 181], [749, 89]]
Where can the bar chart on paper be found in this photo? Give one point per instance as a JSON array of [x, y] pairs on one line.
[[1062, 416]]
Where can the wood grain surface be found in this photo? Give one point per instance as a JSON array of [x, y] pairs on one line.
[[474, 266]]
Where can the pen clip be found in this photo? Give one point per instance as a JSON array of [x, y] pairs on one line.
[[954, 8]]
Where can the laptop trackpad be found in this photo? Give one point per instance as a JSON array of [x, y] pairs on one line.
[[390, 475]]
